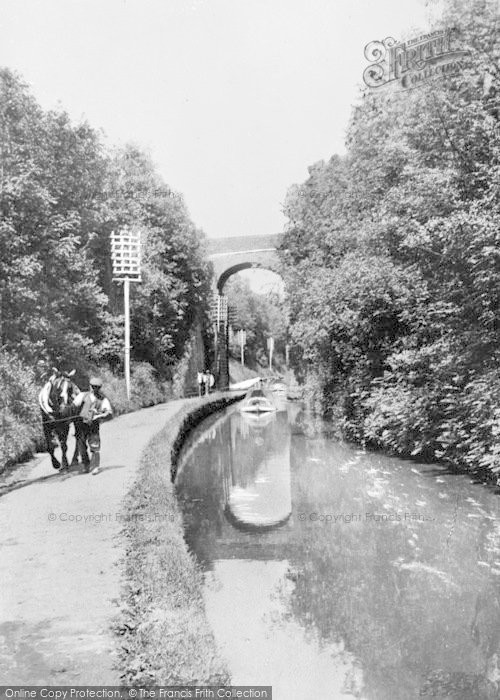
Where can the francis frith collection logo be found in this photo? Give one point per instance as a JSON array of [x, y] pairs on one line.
[[408, 64]]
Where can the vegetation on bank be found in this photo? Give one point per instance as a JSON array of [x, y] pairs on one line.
[[238, 373], [62, 193], [165, 638], [261, 315], [392, 266]]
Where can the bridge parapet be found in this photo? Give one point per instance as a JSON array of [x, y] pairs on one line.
[[238, 244], [229, 256]]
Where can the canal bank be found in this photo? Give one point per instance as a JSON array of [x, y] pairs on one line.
[[63, 541], [165, 638]]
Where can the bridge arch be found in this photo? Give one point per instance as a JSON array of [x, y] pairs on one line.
[[234, 269], [229, 256]]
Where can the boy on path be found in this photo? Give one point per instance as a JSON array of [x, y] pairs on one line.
[[95, 407]]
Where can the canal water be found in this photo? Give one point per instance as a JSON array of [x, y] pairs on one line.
[[335, 573]]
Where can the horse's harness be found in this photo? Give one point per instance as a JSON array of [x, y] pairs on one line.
[[61, 387]]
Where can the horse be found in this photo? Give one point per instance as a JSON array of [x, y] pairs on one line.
[[206, 381], [58, 412]]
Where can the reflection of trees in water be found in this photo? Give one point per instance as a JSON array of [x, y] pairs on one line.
[[253, 443], [402, 615], [200, 488], [309, 424]]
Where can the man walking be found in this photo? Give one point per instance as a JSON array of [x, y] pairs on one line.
[[94, 408]]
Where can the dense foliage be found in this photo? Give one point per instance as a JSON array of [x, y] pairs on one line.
[[392, 263], [20, 426], [61, 195], [262, 316]]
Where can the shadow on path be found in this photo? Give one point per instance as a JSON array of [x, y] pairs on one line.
[[56, 476]]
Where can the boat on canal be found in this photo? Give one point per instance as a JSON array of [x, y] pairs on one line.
[[258, 401]]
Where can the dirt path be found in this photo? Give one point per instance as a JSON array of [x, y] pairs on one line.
[[60, 548]]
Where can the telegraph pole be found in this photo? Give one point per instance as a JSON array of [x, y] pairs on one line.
[[270, 347], [126, 260], [221, 324], [126, 308], [243, 340]]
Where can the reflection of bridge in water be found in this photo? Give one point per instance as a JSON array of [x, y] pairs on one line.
[[257, 485], [246, 489], [236, 493]]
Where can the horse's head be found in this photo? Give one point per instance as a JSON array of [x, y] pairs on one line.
[[62, 391]]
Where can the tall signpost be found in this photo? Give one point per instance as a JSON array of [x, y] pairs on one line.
[[221, 326], [126, 260], [270, 347], [242, 337]]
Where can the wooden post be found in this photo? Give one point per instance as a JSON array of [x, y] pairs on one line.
[[126, 303], [126, 261], [270, 347], [242, 344]]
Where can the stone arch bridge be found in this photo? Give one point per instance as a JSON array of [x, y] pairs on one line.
[[229, 256]]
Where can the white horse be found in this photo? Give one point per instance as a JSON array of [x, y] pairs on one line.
[[206, 381]]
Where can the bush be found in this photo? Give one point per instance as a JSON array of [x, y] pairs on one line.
[[399, 420], [469, 433], [20, 422], [448, 418], [145, 388]]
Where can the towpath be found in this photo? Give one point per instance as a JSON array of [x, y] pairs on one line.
[[60, 552]]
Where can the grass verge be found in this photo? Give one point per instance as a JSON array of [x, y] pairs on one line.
[[165, 636]]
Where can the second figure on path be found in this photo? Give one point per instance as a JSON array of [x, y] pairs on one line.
[[94, 408]]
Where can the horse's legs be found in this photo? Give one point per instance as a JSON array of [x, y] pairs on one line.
[[74, 459], [50, 441], [63, 440]]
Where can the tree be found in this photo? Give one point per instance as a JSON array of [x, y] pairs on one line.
[[175, 275], [261, 316], [62, 194], [52, 305], [391, 263]]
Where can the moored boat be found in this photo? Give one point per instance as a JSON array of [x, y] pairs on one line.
[[257, 401]]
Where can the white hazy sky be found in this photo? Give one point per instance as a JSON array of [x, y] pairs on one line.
[[233, 98]]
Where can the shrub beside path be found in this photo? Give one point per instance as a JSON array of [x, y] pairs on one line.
[[60, 551]]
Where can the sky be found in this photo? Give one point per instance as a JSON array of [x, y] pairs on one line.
[[233, 99]]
